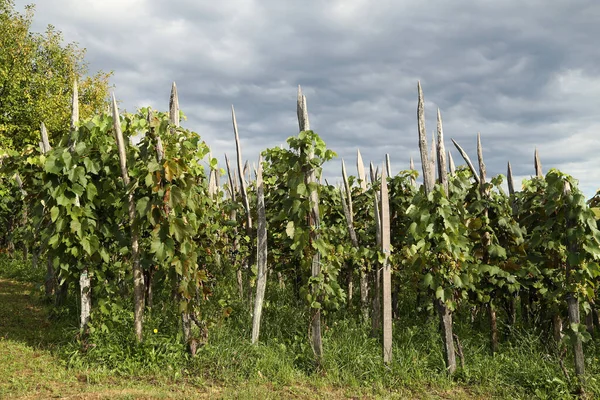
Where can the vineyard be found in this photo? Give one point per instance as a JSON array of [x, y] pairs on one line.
[[157, 239]]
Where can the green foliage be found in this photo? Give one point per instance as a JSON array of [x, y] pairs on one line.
[[562, 241], [288, 194], [36, 76], [438, 242]]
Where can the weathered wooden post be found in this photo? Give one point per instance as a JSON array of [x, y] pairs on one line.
[[360, 168], [413, 181], [538, 164], [441, 154], [376, 316], [387, 277], [451, 163], [261, 253], [233, 216], [49, 284], [467, 160], [85, 289], [572, 299], [138, 277], [486, 241], [304, 125], [349, 214], [242, 181], [444, 312], [174, 119]]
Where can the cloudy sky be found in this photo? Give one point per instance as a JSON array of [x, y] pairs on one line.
[[525, 74]]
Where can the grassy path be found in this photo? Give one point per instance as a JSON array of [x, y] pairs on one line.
[[29, 369]]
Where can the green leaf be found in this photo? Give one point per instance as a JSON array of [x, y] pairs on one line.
[[157, 247], [54, 211], [142, 206], [76, 227], [439, 293], [301, 189], [289, 230], [85, 243], [457, 281], [427, 280], [497, 251], [91, 191]]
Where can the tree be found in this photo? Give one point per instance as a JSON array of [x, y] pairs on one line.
[[36, 80]]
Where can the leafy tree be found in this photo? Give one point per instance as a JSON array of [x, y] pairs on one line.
[[37, 72]]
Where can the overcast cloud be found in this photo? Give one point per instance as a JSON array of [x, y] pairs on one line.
[[525, 74]]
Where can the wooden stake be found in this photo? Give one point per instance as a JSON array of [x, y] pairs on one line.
[[441, 153], [304, 125], [387, 280], [427, 181], [509, 178], [360, 168], [238, 148], [538, 164], [388, 165], [261, 253], [174, 107], [413, 181], [138, 276], [451, 163], [467, 160]]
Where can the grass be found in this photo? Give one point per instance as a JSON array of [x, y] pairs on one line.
[[42, 356]]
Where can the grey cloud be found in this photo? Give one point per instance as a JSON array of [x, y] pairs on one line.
[[524, 74]]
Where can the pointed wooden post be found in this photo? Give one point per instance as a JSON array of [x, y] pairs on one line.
[[376, 317], [425, 163], [138, 277], [233, 217], [49, 284], [486, 241], [348, 191], [388, 165], [428, 183], [85, 290], [242, 181], [538, 164], [304, 125], [482, 172], [413, 181], [572, 298], [451, 163], [174, 106], [175, 120], [510, 181], [433, 158], [45, 141], [387, 277], [360, 169], [349, 213], [467, 160], [441, 152], [261, 253], [75, 106]]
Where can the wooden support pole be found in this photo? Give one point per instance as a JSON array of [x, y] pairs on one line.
[[538, 164], [467, 160], [261, 253], [386, 272], [304, 125], [138, 276], [441, 153], [425, 163]]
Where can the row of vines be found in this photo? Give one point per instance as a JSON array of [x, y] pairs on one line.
[[159, 224]]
